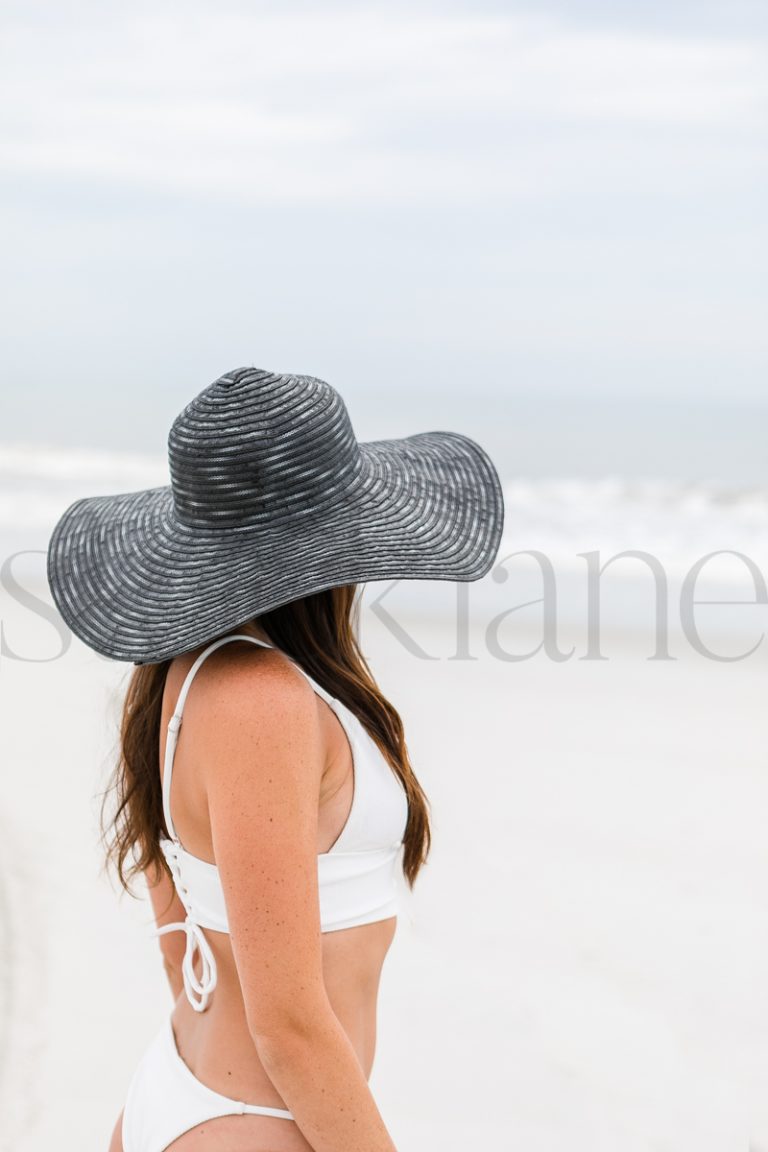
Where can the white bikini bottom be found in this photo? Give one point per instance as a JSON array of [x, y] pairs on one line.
[[165, 1099]]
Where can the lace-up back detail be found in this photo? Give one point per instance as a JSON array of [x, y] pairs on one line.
[[357, 877]]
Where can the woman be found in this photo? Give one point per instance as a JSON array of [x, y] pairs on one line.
[[263, 788]]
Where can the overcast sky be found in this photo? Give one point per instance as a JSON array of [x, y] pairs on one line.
[[566, 199]]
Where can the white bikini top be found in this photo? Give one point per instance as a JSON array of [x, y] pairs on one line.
[[356, 876]]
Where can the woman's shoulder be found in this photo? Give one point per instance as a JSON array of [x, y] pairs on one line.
[[240, 681]]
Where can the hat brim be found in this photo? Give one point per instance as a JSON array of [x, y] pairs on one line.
[[135, 583]]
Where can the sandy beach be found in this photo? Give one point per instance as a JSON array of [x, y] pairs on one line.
[[581, 965], [536, 225]]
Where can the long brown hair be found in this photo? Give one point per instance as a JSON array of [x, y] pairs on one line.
[[319, 632]]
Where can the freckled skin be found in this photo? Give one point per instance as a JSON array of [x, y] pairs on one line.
[[275, 968]]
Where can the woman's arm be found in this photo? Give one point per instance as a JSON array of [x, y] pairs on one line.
[[264, 759], [168, 908]]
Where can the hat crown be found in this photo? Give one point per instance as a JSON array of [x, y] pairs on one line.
[[257, 446]]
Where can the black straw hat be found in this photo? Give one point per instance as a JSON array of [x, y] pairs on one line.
[[271, 498]]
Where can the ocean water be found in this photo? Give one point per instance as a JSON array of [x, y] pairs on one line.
[[680, 487], [541, 435]]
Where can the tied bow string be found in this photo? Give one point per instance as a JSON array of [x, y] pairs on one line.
[[197, 988]]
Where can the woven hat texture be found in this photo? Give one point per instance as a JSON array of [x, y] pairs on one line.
[[271, 498]]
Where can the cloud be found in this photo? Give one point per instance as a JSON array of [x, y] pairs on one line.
[[369, 194], [361, 104]]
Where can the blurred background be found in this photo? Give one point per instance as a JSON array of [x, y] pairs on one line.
[[540, 225]]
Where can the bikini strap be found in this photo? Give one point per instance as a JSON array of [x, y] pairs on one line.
[[174, 724]]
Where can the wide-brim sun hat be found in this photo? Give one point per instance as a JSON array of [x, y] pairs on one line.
[[271, 498]]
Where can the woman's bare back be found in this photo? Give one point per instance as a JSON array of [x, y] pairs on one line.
[[217, 1045]]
